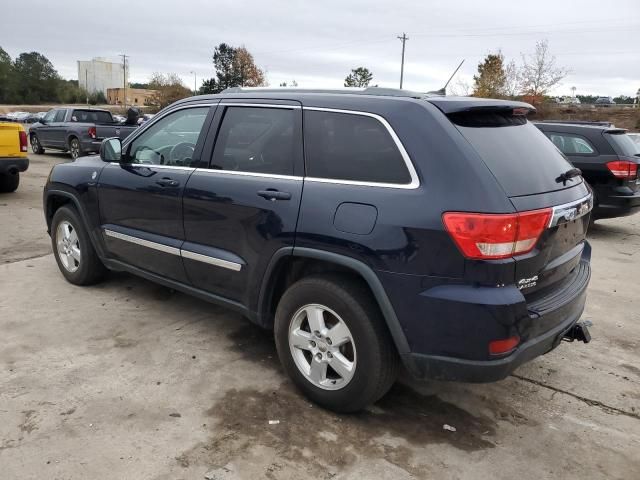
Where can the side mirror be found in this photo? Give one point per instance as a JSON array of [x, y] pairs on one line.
[[42, 121], [111, 150]]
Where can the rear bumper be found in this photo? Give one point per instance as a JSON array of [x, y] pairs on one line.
[[616, 205], [449, 326], [481, 371], [13, 165]]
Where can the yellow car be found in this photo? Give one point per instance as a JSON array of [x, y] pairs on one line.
[[13, 155]]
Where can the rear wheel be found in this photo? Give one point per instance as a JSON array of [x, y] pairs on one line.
[[9, 182], [75, 149], [332, 341], [75, 255], [35, 145]]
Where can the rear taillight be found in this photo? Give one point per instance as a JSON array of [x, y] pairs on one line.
[[483, 236], [92, 132], [623, 169], [23, 141]]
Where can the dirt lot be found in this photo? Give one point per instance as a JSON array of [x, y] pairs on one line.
[[128, 380]]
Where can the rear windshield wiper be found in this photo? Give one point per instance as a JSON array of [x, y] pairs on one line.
[[568, 175]]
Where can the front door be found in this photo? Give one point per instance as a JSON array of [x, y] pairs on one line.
[[45, 131], [141, 197], [244, 206]]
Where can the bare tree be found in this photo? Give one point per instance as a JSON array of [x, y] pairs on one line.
[[540, 73], [512, 80], [461, 88]]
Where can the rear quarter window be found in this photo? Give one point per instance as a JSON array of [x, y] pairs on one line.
[[352, 147], [623, 144]]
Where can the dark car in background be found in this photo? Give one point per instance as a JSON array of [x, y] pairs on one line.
[[75, 130], [365, 228], [608, 159]]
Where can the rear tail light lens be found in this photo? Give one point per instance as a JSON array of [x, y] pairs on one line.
[[623, 169], [505, 345], [482, 236], [23, 141], [92, 132]]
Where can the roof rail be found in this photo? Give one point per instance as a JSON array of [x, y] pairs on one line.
[[382, 91], [595, 123]]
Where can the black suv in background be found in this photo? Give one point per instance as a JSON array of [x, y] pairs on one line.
[[608, 159], [366, 228]]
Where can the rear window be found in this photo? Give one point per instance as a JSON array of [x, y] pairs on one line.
[[623, 144], [354, 147], [522, 159], [91, 116]]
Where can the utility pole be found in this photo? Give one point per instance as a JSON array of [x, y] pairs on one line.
[[124, 69], [404, 39], [195, 82]]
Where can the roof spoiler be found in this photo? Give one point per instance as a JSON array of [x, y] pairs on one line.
[[448, 105]]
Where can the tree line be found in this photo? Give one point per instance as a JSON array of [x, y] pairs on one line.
[[32, 79], [532, 79]]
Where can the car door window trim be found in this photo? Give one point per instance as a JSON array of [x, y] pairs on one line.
[[179, 252], [158, 117], [413, 184]]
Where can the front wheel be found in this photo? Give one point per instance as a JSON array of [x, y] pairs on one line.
[[75, 255], [333, 342], [36, 147]]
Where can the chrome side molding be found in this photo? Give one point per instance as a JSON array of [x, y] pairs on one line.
[[218, 262]]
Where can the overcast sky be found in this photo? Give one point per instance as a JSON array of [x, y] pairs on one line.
[[317, 43]]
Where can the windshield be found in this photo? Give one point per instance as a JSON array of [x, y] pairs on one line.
[[522, 159], [623, 144]]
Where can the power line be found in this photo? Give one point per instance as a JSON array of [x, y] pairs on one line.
[[404, 39]]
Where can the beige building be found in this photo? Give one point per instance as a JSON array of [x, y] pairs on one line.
[[138, 97]]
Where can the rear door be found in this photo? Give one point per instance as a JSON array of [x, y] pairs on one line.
[[242, 206], [141, 197], [529, 167]]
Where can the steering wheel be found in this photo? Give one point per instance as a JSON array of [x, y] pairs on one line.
[[181, 152]]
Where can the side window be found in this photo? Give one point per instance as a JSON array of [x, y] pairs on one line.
[[49, 117], [571, 144], [171, 140], [60, 114], [257, 140], [343, 146]]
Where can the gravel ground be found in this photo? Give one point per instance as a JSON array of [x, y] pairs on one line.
[[129, 380]]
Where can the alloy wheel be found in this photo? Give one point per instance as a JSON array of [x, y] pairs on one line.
[[68, 246], [74, 148], [322, 347]]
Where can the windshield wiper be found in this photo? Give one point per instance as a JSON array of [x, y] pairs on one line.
[[568, 175]]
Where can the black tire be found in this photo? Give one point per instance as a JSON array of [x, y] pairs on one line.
[[75, 148], [36, 147], [376, 365], [90, 269], [9, 182]]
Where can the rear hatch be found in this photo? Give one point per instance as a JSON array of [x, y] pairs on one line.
[[530, 169]]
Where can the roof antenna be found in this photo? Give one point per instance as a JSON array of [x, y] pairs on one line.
[[443, 90]]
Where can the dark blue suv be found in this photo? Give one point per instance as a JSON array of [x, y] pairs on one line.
[[369, 229]]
